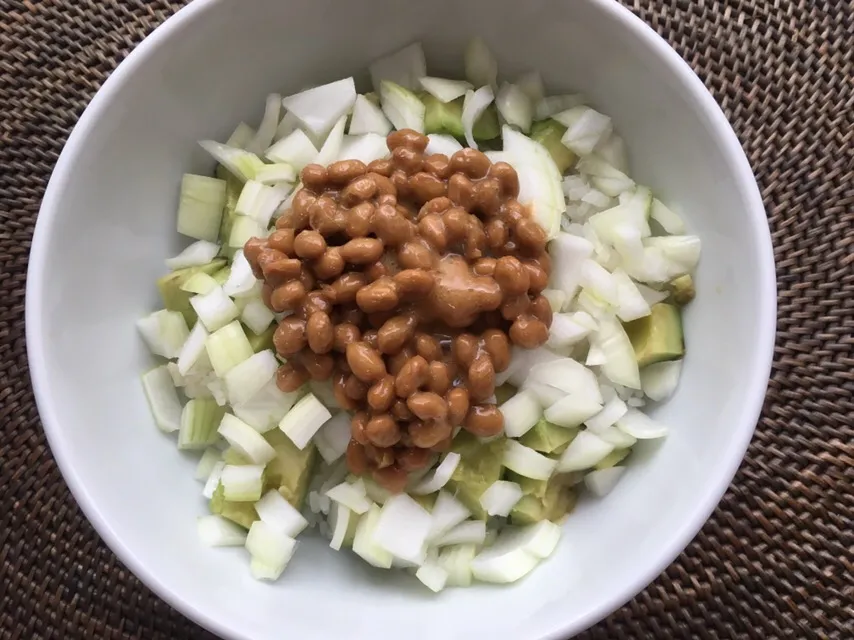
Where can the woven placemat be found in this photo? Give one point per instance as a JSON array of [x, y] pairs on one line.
[[775, 560]]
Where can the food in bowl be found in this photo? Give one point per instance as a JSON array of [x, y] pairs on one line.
[[424, 349]]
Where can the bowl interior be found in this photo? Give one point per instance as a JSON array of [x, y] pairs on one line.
[[108, 222]]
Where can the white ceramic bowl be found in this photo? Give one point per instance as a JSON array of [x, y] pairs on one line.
[[108, 220]]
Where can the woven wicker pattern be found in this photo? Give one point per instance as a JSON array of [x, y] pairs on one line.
[[775, 560]]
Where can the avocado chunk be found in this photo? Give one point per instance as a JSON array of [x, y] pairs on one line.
[[242, 513], [548, 438], [479, 466], [262, 341], [174, 298], [612, 459], [658, 336], [682, 289], [222, 275], [548, 133], [504, 393], [548, 499], [447, 117], [291, 470], [426, 501]]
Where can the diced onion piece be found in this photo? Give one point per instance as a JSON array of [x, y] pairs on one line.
[[608, 179], [162, 399], [565, 332], [447, 513], [531, 84], [441, 143], [364, 544], [287, 126], [269, 123], [247, 378], [520, 412], [522, 361], [456, 561], [597, 199], [266, 407], [402, 528], [432, 576], [320, 108], [404, 67], [342, 524], [613, 410], [500, 498], [322, 390], [351, 496], [552, 105], [242, 483], [613, 225], [200, 207], [568, 253], [213, 480], [640, 426], [199, 420], [631, 304], [333, 437], [513, 555], [241, 136], [227, 347], [331, 149], [602, 481], [402, 107], [620, 439], [527, 462], [215, 309], [207, 463], [375, 492], [621, 365], [659, 380], [280, 514], [240, 280], [295, 149], [246, 440], [270, 549], [273, 174], [598, 281], [257, 316], [445, 90], [367, 148], [439, 477], [668, 220], [546, 395], [216, 531], [569, 376], [474, 105], [515, 106], [242, 164], [684, 251], [304, 419], [468, 532], [557, 299], [572, 410], [612, 149], [164, 332], [585, 450], [651, 296], [481, 66], [199, 283], [368, 118], [585, 128]]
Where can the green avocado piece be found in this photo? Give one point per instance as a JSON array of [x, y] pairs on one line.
[[504, 393], [548, 499], [479, 466], [547, 437], [682, 289], [548, 133], [612, 459], [222, 275], [658, 336], [242, 513], [262, 341], [426, 501], [174, 298], [291, 469], [447, 117]]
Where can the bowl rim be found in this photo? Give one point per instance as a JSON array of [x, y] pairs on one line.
[[679, 539]]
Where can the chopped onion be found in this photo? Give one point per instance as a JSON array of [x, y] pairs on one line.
[[527, 462], [668, 220], [659, 380], [572, 410], [596, 199], [441, 143], [273, 174], [227, 347], [162, 399], [367, 148], [500, 498], [331, 149], [468, 532], [631, 304], [585, 450], [613, 410], [334, 437], [621, 365], [404, 67], [247, 378], [364, 545], [199, 283], [269, 123], [213, 480], [640, 426], [280, 514], [295, 149], [651, 296], [602, 481], [481, 66], [215, 309], [207, 463], [606, 178], [474, 105], [440, 476], [619, 439], [351, 496], [216, 531], [447, 513], [520, 412], [199, 420], [402, 528], [320, 108], [547, 107], [432, 576], [504, 562], [242, 164], [248, 442], [568, 253], [402, 107], [242, 483], [270, 549], [200, 207], [595, 356], [164, 332], [522, 361], [322, 390], [515, 106], [598, 281], [342, 524], [539, 540], [287, 126], [557, 299], [565, 332], [304, 419], [569, 376], [684, 251], [241, 136], [368, 118], [445, 90], [545, 394], [612, 149], [585, 127], [257, 316], [266, 407], [456, 561], [375, 492], [531, 84]]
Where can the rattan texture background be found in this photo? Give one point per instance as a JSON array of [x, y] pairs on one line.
[[774, 561]]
